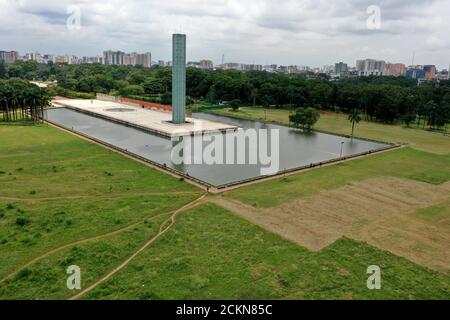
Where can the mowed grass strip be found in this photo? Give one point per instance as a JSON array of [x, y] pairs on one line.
[[338, 123], [212, 254], [404, 163], [46, 279], [56, 189]]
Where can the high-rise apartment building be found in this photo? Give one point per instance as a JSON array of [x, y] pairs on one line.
[[251, 67], [395, 69], [415, 72], [341, 69], [430, 72], [206, 64], [240, 66], [370, 67], [9, 56], [427, 72], [91, 60], [128, 59], [113, 57], [144, 59]]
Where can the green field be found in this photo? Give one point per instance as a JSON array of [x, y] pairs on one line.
[[435, 213], [338, 123], [212, 254], [56, 189], [98, 207], [46, 278]]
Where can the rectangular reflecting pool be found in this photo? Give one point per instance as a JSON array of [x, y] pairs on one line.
[[297, 149]]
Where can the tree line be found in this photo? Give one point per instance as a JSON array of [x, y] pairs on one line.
[[20, 100], [384, 99]]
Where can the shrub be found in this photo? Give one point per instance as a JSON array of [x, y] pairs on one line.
[[305, 118], [148, 295], [24, 273], [21, 222], [235, 104]]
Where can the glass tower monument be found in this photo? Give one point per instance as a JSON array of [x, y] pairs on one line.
[[179, 78]]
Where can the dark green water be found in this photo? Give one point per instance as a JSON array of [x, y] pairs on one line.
[[296, 149]]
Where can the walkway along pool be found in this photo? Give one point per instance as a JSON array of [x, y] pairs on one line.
[[297, 149]]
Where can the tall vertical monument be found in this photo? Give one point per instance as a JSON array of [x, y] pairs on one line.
[[179, 78]]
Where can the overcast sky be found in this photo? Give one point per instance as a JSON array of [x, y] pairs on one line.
[[301, 32]]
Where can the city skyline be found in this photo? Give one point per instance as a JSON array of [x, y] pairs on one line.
[[147, 56], [364, 67], [306, 32]]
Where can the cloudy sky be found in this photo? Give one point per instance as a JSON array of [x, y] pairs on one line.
[[301, 32]]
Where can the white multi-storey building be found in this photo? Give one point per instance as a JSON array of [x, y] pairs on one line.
[[370, 67], [9, 56]]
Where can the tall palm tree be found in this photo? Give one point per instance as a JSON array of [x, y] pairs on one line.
[[354, 117]]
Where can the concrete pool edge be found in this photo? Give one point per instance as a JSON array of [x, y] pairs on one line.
[[216, 189], [298, 170]]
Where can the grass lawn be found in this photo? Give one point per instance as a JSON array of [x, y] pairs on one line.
[[46, 279], [403, 163], [41, 161], [212, 254], [338, 123], [56, 189], [436, 213]]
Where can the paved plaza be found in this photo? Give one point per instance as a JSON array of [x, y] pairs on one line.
[[153, 120]]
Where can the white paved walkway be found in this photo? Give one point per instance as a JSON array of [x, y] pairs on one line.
[[153, 120]]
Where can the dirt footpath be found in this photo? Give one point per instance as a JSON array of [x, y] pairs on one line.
[[380, 211]]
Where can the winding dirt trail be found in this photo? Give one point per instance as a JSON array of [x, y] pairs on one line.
[[64, 246], [162, 230]]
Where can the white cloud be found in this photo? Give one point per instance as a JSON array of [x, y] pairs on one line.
[[310, 32]]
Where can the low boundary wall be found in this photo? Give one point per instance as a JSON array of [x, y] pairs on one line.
[[134, 102]]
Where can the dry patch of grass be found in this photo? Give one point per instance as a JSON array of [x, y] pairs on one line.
[[380, 211], [212, 254]]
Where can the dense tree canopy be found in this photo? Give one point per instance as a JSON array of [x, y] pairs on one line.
[[385, 99], [20, 99]]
